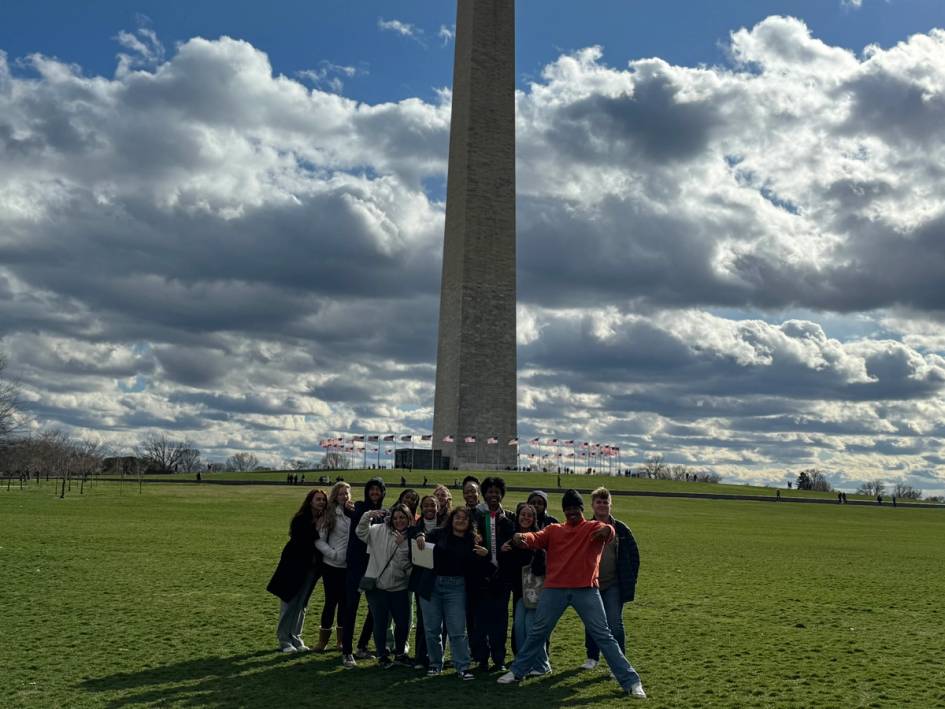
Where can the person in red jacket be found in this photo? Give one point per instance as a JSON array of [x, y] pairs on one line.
[[573, 557]]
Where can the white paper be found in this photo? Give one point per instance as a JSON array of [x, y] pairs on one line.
[[423, 557]]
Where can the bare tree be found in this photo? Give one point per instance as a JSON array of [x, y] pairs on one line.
[[161, 453], [906, 492], [299, 465], [242, 462], [335, 461], [872, 488], [813, 479], [8, 401], [654, 467], [189, 459]]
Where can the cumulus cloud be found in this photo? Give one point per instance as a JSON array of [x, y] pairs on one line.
[[404, 29], [200, 245]]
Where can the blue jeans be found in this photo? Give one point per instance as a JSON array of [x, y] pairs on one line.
[[586, 601], [522, 627], [447, 603], [613, 608]]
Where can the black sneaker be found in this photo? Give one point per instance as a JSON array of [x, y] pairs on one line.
[[402, 659], [499, 668], [385, 662], [465, 675]]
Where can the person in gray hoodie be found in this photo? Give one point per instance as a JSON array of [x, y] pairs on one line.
[[389, 565]]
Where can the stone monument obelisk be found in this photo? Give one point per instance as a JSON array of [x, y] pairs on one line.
[[475, 362]]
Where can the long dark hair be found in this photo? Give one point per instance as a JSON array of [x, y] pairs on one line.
[[471, 531], [305, 513], [518, 509], [413, 508]]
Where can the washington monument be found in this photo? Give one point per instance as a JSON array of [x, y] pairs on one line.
[[475, 363]]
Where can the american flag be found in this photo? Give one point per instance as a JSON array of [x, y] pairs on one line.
[[491, 441], [552, 441], [372, 438], [513, 441], [426, 438], [585, 445], [535, 441], [390, 438], [388, 450], [448, 439], [469, 439], [567, 443], [357, 438], [406, 439]]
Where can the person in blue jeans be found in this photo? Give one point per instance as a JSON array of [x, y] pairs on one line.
[[617, 575], [573, 557], [456, 557]]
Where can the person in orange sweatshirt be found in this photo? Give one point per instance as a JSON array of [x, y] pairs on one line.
[[573, 556]]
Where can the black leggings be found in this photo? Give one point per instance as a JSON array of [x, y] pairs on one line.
[[334, 581]]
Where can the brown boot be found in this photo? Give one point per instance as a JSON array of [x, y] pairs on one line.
[[324, 634], [338, 638]]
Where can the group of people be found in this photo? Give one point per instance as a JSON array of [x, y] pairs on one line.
[[484, 557]]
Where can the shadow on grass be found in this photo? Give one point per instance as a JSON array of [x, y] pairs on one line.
[[266, 678]]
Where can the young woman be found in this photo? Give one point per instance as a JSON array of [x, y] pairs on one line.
[[410, 498], [513, 559], [332, 542], [443, 592], [444, 500], [429, 520], [298, 570], [389, 566]]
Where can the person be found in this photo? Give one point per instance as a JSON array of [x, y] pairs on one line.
[[492, 589], [539, 500], [389, 566], [444, 501], [471, 491], [429, 520], [410, 498], [456, 555], [403, 481], [298, 571], [514, 560], [374, 492], [616, 577], [573, 552], [332, 543]]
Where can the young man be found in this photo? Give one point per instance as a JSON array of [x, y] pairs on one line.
[[492, 591], [539, 500], [573, 551], [617, 575]]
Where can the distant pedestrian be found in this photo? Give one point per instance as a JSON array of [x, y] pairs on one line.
[[894, 500], [879, 499], [839, 498], [777, 494]]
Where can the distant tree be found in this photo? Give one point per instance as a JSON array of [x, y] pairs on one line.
[[681, 472], [335, 461], [813, 479], [872, 488], [8, 400], [163, 454], [299, 465], [938, 499], [906, 492], [654, 467], [242, 462], [707, 477], [190, 460]]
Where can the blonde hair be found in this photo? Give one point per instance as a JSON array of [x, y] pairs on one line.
[[601, 493], [332, 512]]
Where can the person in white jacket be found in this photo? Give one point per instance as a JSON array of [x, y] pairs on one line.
[[333, 545], [389, 567]]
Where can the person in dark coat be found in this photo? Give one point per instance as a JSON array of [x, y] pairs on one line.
[[357, 560], [491, 590], [429, 520], [539, 500], [617, 580], [298, 570]]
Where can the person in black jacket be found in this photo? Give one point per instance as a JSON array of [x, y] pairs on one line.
[[539, 500], [357, 560], [617, 579], [513, 560], [490, 594], [457, 560], [429, 520], [298, 571]]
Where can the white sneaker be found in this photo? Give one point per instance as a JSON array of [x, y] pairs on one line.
[[636, 691], [302, 648], [589, 664], [349, 662], [508, 678], [287, 649]]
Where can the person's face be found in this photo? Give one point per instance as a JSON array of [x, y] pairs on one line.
[[443, 498], [343, 495], [493, 497], [374, 494], [319, 503], [538, 502], [428, 508], [399, 521], [573, 514], [460, 523], [412, 500], [526, 518], [601, 507], [471, 494]]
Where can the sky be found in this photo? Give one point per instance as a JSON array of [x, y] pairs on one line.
[[224, 222]]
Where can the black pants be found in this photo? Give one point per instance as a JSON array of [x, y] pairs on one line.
[[334, 581], [350, 617], [491, 627], [385, 605]]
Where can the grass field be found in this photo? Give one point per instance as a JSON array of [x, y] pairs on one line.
[[115, 599]]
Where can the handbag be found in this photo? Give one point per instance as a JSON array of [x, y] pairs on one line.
[[369, 583], [531, 587]]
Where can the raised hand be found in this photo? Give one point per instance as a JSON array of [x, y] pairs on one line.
[[507, 546], [480, 551], [605, 533]]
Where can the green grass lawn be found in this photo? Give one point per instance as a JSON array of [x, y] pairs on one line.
[[545, 481], [115, 599]]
